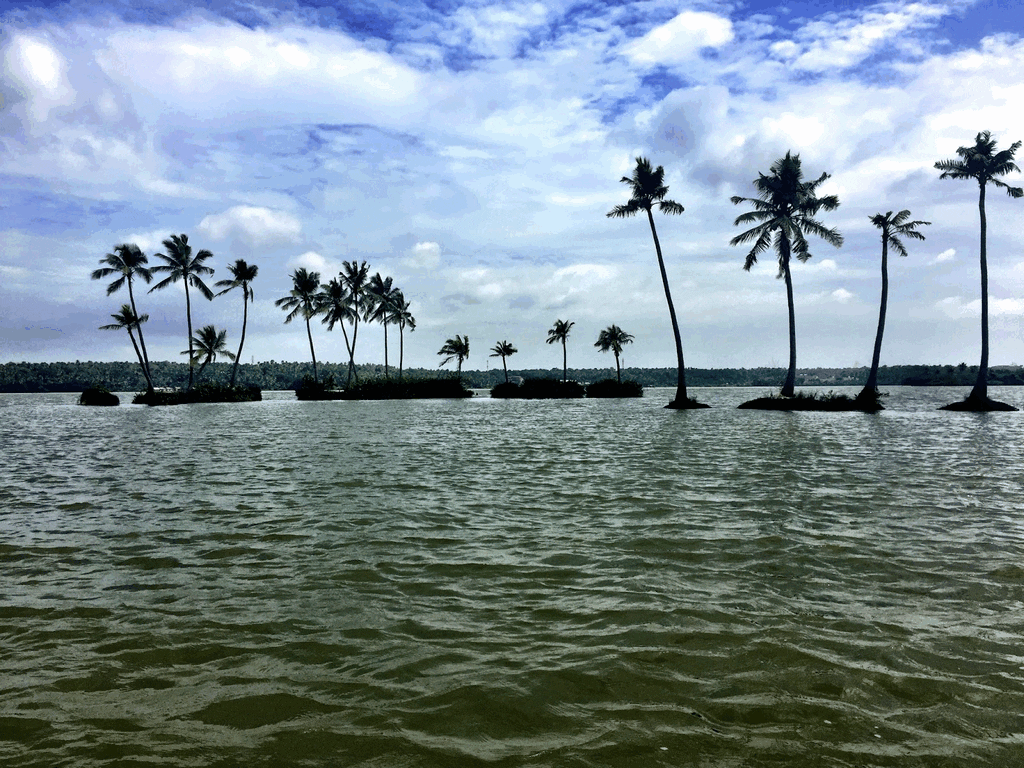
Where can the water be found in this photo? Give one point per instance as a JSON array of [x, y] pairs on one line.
[[502, 583]]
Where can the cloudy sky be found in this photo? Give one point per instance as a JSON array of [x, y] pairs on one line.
[[471, 150]]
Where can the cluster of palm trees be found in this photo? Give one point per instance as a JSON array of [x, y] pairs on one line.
[[784, 213], [345, 300], [127, 262]]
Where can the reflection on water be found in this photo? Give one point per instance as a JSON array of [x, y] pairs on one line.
[[453, 583]]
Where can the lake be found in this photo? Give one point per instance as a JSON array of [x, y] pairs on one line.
[[511, 583]]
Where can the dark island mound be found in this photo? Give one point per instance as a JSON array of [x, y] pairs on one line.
[[385, 389], [689, 404], [976, 404], [804, 401], [539, 389], [615, 388], [98, 396], [203, 393]]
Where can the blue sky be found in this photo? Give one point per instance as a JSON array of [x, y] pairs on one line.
[[471, 151]]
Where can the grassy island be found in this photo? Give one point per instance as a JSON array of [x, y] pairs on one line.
[[203, 393], [806, 401]]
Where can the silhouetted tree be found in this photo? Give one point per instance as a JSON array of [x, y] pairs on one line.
[[503, 349], [456, 349], [355, 279], [785, 208], [380, 294], [338, 310], [127, 320], [559, 332], [208, 343], [242, 275], [179, 264], [127, 261], [982, 163], [404, 319], [647, 189], [893, 228], [304, 299], [612, 338]]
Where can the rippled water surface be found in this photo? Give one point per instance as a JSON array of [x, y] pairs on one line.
[[482, 582]]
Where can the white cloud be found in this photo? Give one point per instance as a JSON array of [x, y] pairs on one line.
[[314, 262], [947, 255], [254, 226], [425, 255], [40, 73], [842, 295], [680, 39]]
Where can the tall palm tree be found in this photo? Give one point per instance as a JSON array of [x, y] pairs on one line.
[[380, 295], [403, 318], [784, 210], [304, 299], [355, 278], [893, 228], [982, 163], [208, 343], [337, 308], [456, 349], [126, 319], [647, 189], [503, 349], [180, 264], [613, 338], [560, 332], [128, 261], [242, 275]]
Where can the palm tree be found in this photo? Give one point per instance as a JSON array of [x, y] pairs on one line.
[[893, 228], [337, 308], [647, 189], [208, 343], [613, 338], [403, 317], [180, 264], [127, 261], [455, 349], [560, 332], [785, 208], [380, 306], [304, 299], [503, 349], [242, 276], [982, 163], [355, 277], [127, 319]]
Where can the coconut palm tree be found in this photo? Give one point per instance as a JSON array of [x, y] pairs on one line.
[[982, 163], [242, 275], [128, 261], [647, 190], [208, 343], [613, 338], [893, 228], [380, 294], [456, 349], [180, 264], [127, 320], [355, 278], [503, 349], [304, 299], [560, 332], [784, 211], [404, 319], [337, 308]]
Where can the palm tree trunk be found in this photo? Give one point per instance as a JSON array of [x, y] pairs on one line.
[[309, 333], [788, 389], [352, 350], [681, 374], [618, 371], [385, 350], [138, 354], [188, 316], [871, 387], [505, 366], [401, 349], [245, 319], [980, 391], [565, 366], [142, 342]]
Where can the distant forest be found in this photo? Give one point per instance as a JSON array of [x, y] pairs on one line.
[[126, 377]]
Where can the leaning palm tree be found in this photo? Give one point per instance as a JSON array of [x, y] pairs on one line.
[[336, 305], [304, 299], [893, 228], [982, 163], [208, 343], [128, 261], [560, 332], [126, 319], [455, 349], [647, 189], [180, 264], [355, 278], [242, 275], [380, 295], [784, 210], [613, 338], [404, 319], [503, 349]]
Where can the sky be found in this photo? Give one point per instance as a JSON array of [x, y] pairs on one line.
[[471, 151]]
